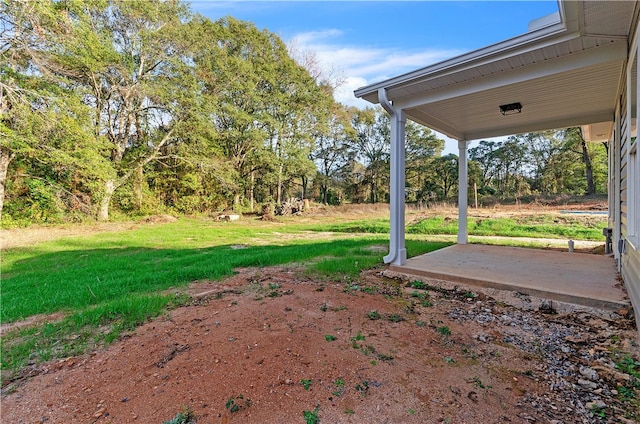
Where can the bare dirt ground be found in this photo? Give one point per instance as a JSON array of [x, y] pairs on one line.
[[268, 344], [246, 348]]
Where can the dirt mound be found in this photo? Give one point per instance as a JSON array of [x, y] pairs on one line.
[[269, 345]]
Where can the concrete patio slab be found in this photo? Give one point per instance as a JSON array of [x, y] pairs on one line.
[[578, 278]]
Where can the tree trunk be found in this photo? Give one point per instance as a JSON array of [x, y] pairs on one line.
[[279, 197], [137, 188], [251, 190], [5, 159], [591, 187], [305, 182], [109, 189]]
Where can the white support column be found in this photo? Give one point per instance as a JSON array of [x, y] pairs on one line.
[[463, 188], [397, 250]]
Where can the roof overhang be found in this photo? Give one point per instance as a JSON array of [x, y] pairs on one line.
[[565, 73]]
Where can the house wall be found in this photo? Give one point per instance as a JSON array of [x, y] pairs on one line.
[[628, 252]]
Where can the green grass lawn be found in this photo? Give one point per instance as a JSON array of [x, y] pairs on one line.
[[108, 283], [542, 226]]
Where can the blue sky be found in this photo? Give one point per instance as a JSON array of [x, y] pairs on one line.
[[368, 41], [363, 42]]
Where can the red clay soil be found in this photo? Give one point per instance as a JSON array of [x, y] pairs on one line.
[[243, 352]]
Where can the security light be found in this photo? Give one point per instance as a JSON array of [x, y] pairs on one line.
[[511, 108]]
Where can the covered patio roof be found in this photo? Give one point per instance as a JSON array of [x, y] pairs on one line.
[[564, 72]]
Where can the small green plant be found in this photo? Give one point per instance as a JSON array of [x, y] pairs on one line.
[[374, 362], [306, 383], [394, 318], [599, 412], [324, 307], [470, 295], [368, 349], [412, 411], [235, 404], [339, 383], [274, 286], [630, 366], [362, 388], [185, 416], [339, 308], [373, 315], [384, 357], [349, 411], [478, 383], [421, 323], [358, 337], [449, 360], [419, 285], [444, 330], [311, 417], [330, 337]]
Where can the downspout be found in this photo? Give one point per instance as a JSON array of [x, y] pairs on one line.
[[397, 251]]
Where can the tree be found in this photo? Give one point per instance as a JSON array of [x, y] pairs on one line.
[[129, 62], [443, 178], [372, 147], [421, 147], [43, 121], [331, 152]]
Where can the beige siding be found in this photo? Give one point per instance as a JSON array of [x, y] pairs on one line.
[[631, 276], [629, 258]]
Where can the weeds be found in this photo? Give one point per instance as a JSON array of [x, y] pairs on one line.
[[373, 315], [419, 285], [394, 318], [306, 383], [443, 330], [311, 417], [235, 404], [330, 337], [339, 384], [478, 383], [362, 388], [185, 416], [358, 337]]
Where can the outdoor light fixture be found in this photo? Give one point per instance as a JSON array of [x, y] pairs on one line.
[[511, 108]]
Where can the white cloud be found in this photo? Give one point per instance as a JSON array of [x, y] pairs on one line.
[[364, 65]]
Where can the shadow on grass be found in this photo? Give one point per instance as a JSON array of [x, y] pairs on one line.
[[73, 280]]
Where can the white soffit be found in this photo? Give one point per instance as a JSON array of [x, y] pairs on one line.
[[598, 132]]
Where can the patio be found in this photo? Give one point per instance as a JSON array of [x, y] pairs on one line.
[[576, 278]]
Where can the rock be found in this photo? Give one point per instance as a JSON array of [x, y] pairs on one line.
[[483, 337], [589, 373], [99, 412], [588, 384], [596, 404]]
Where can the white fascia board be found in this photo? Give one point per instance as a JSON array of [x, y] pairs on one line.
[[564, 30], [615, 51]]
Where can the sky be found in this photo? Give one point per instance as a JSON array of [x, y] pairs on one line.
[[363, 42]]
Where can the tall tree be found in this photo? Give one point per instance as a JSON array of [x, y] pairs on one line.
[[331, 152], [372, 147], [129, 61], [421, 147], [43, 121]]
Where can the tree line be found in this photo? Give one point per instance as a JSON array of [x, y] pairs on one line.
[[144, 107]]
